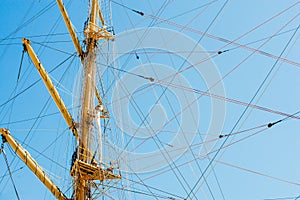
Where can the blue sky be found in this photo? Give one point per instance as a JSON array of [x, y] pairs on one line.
[[256, 38]]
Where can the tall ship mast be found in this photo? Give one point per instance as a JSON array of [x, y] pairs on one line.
[[174, 100], [86, 168]]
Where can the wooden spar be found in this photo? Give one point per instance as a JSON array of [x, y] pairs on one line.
[[32, 164], [52, 90], [70, 29]]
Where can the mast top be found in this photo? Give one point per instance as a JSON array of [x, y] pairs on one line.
[[92, 30]]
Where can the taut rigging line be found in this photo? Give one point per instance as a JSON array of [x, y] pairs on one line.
[[8, 168]]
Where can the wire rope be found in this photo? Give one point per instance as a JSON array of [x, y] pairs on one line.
[[9, 171], [243, 113]]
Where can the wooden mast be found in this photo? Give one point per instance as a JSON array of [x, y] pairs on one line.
[[82, 187], [82, 165], [84, 170], [93, 33]]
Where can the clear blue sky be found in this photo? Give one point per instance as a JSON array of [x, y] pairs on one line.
[[258, 63]]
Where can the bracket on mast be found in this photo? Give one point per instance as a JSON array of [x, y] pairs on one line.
[[92, 171], [95, 32]]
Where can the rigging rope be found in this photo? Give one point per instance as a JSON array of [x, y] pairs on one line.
[[19, 72], [230, 165], [35, 82], [142, 192], [38, 14], [144, 121], [131, 73], [45, 105], [43, 45], [145, 117], [234, 42], [243, 113], [8, 168], [148, 186], [37, 36], [133, 10], [272, 123], [179, 71]]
